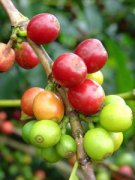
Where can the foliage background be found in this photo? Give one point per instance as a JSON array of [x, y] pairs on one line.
[[111, 21]]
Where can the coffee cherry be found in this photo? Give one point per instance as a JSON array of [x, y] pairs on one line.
[[43, 28], [47, 105], [28, 98], [69, 70], [116, 117], [102, 174], [109, 99], [45, 133], [50, 154], [26, 131], [7, 127], [93, 53], [97, 76], [125, 158], [25, 56], [87, 97], [98, 144], [126, 171], [40, 174], [117, 139], [7, 57], [66, 146], [3, 115]]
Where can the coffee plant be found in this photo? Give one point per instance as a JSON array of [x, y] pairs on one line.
[[71, 118]]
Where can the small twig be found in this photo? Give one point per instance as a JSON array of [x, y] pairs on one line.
[[130, 95], [10, 103]]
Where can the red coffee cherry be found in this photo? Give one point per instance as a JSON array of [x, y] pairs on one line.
[[3, 115], [25, 56], [87, 98], [93, 53], [69, 70], [28, 98], [43, 28], [7, 57], [125, 170], [7, 127]]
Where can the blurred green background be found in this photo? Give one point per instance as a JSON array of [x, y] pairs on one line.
[[111, 21]]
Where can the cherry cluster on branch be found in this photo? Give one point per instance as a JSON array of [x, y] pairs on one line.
[[73, 93]]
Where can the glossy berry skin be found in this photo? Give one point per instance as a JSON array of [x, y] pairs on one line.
[[7, 57], [98, 144], [50, 154], [7, 127], [116, 117], [114, 99], [45, 133], [25, 56], [26, 130], [86, 98], [47, 105], [66, 146], [117, 138], [43, 28], [28, 98], [93, 53], [96, 76], [69, 70]]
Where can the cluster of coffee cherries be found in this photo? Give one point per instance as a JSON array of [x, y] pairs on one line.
[[42, 29], [80, 74]]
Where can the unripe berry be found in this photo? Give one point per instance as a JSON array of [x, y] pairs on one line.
[[98, 144], [28, 98], [47, 105], [45, 133], [116, 117]]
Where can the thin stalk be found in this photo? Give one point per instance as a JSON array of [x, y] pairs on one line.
[[10, 103]]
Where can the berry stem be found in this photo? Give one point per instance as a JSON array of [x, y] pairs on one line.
[[130, 95], [44, 58], [10, 103], [16, 18]]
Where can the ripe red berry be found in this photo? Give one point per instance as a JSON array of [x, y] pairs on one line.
[[93, 53], [25, 56], [28, 98], [87, 98], [40, 174], [69, 70], [43, 28], [126, 172], [7, 127], [7, 57], [3, 115]]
